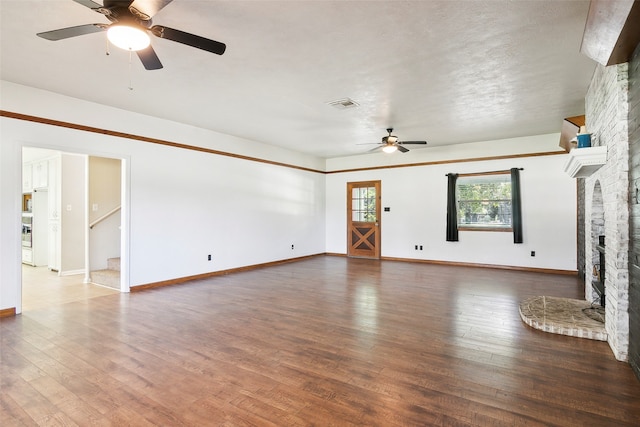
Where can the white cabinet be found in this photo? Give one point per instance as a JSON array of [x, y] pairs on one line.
[[27, 178], [35, 175], [41, 174], [27, 256]]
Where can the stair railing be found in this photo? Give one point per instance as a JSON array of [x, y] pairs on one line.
[[103, 217]]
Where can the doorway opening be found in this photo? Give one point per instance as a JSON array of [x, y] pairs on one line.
[[78, 210]]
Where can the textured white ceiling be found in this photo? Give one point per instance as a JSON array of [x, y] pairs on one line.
[[445, 71]]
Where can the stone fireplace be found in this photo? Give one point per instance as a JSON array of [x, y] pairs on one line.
[[606, 201]]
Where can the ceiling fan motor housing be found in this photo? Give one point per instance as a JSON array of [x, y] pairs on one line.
[[391, 139], [120, 12]]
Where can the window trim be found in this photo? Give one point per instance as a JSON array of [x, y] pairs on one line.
[[481, 228]]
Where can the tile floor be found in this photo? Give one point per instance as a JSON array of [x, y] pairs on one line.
[[44, 288]]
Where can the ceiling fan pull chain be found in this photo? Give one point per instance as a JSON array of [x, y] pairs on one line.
[[106, 49], [130, 55]]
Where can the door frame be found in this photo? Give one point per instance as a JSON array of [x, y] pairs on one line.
[[377, 226]]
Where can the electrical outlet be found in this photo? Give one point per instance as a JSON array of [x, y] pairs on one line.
[[420, 247], [416, 247], [533, 253], [209, 257], [292, 247]]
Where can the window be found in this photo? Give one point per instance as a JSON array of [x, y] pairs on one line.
[[484, 202], [363, 204]]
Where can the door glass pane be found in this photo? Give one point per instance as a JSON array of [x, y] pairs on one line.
[[363, 205]]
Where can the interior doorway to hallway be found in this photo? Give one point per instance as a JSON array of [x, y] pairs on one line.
[[81, 227]]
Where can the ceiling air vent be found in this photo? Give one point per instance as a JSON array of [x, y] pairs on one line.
[[344, 103]]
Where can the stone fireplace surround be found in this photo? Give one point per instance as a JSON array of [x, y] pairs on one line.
[[606, 200]]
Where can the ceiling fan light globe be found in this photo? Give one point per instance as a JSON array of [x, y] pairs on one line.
[[389, 149], [128, 38]]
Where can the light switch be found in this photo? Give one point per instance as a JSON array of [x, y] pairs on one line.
[[94, 207], [68, 207]]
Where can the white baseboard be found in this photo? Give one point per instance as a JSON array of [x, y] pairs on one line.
[[71, 272]]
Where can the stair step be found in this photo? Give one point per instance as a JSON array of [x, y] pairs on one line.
[[108, 277], [113, 264]]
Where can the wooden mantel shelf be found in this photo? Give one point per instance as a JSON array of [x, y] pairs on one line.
[[583, 162]]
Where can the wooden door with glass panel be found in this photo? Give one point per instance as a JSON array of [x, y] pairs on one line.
[[363, 219]]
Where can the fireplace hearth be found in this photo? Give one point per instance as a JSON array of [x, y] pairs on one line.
[[563, 316], [595, 312]]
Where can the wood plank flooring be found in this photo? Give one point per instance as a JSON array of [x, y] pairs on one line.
[[327, 341]]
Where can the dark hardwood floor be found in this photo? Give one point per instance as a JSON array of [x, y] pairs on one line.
[[327, 341]]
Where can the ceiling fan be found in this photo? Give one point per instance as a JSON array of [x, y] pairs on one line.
[[390, 143], [129, 28]]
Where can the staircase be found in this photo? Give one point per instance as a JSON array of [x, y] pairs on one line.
[[109, 277]]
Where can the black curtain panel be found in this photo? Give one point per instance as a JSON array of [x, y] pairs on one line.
[[452, 212], [516, 206]]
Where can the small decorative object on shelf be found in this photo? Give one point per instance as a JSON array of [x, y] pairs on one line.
[[570, 128], [584, 138]]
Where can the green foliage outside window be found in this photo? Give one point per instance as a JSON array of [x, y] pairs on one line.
[[364, 204], [484, 201]]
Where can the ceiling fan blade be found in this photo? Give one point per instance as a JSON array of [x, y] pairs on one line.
[[146, 9], [65, 33], [402, 149], [88, 3], [149, 58], [374, 149], [189, 39], [412, 142]]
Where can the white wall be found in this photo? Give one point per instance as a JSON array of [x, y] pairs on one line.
[[26, 100], [73, 202], [243, 213], [10, 207], [417, 197], [184, 204]]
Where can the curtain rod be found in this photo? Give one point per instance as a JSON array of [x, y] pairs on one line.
[[484, 173]]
